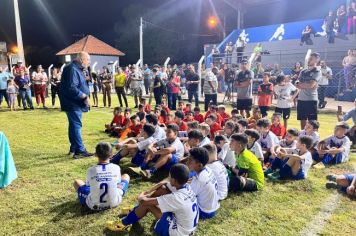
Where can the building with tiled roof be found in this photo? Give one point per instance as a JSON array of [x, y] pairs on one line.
[[101, 53]]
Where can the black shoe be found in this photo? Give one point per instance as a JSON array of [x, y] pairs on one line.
[[331, 178], [25, 108], [32, 108], [331, 186], [83, 155]]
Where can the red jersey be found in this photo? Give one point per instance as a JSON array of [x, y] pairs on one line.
[[186, 120], [135, 130], [186, 110], [118, 120], [214, 128], [183, 126], [278, 130], [265, 92], [225, 117], [165, 107], [147, 108], [199, 118], [207, 114]]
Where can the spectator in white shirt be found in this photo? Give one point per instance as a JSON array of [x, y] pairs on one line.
[[326, 75]]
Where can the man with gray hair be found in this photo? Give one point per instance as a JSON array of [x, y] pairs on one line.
[[74, 98]]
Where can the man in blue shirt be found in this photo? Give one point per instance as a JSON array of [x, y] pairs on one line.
[[4, 77], [74, 98]]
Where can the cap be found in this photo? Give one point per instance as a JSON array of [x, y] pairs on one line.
[[342, 124], [244, 61]]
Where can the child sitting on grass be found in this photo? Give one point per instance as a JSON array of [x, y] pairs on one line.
[[345, 183], [137, 150], [181, 106], [214, 126], [335, 149], [173, 204], [293, 166], [248, 174], [256, 115], [146, 107], [189, 116], [195, 139], [267, 138], [289, 143], [213, 111], [252, 144], [230, 128], [117, 122], [179, 120], [219, 171], [105, 186], [188, 108], [135, 126], [204, 183], [225, 116], [277, 128], [164, 153], [141, 112], [197, 116], [225, 154], [242, 124], [311, 129]]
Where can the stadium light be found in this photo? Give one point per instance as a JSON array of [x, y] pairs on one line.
[[212, 21], [15, 49]]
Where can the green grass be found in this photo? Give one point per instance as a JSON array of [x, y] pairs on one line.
[[42, 200]]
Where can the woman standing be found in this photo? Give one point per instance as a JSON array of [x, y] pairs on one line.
[[23, 83], [173, 89], [105, 78], [55, 83], [119, 83], [39, 78]]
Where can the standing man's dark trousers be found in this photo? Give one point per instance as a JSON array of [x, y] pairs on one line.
[[210, 98], [74, 131], [3, 93], [194, 94], [321, 95], [331, 36]]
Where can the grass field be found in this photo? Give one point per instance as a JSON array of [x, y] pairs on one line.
[[42, 200]]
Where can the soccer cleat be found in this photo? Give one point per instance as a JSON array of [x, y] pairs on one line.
[[136, 170], [125, 211], [331, 178], [117, 226], [146, 173], [274, 176], [268, 171], [331, 186], [320, 165]]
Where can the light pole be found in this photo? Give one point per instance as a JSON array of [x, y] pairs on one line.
[[19, 33], [141, 42]]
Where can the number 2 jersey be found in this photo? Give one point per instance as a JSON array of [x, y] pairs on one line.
[[182, 203], [104, 180]]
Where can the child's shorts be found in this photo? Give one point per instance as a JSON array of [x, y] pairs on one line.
[[171, 162], [163, 224], [284, 111], [286, 173], [203, 215], [83, 192], [139, 158], [328, 159]]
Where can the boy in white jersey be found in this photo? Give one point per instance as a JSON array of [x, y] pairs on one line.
[[195, 139], [173, 204], [336, 148], [293, 166], [225, 154], [219, 171], [105, 186], [138, 150], [289, 143], [267, 138], [253, 146], [203, 183], [164, 153], [159, 133]]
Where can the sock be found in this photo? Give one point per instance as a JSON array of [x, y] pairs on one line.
[[131, 218], [144, 166], [116, 158]]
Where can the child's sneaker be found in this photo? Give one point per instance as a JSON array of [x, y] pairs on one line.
[[268, 171], [136, 170], [331, 186], [146, 173], [117, 226], [331, 178], [274, 176], [125, 211], [320, 165]]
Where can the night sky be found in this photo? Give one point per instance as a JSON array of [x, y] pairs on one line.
[[50, 25]]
